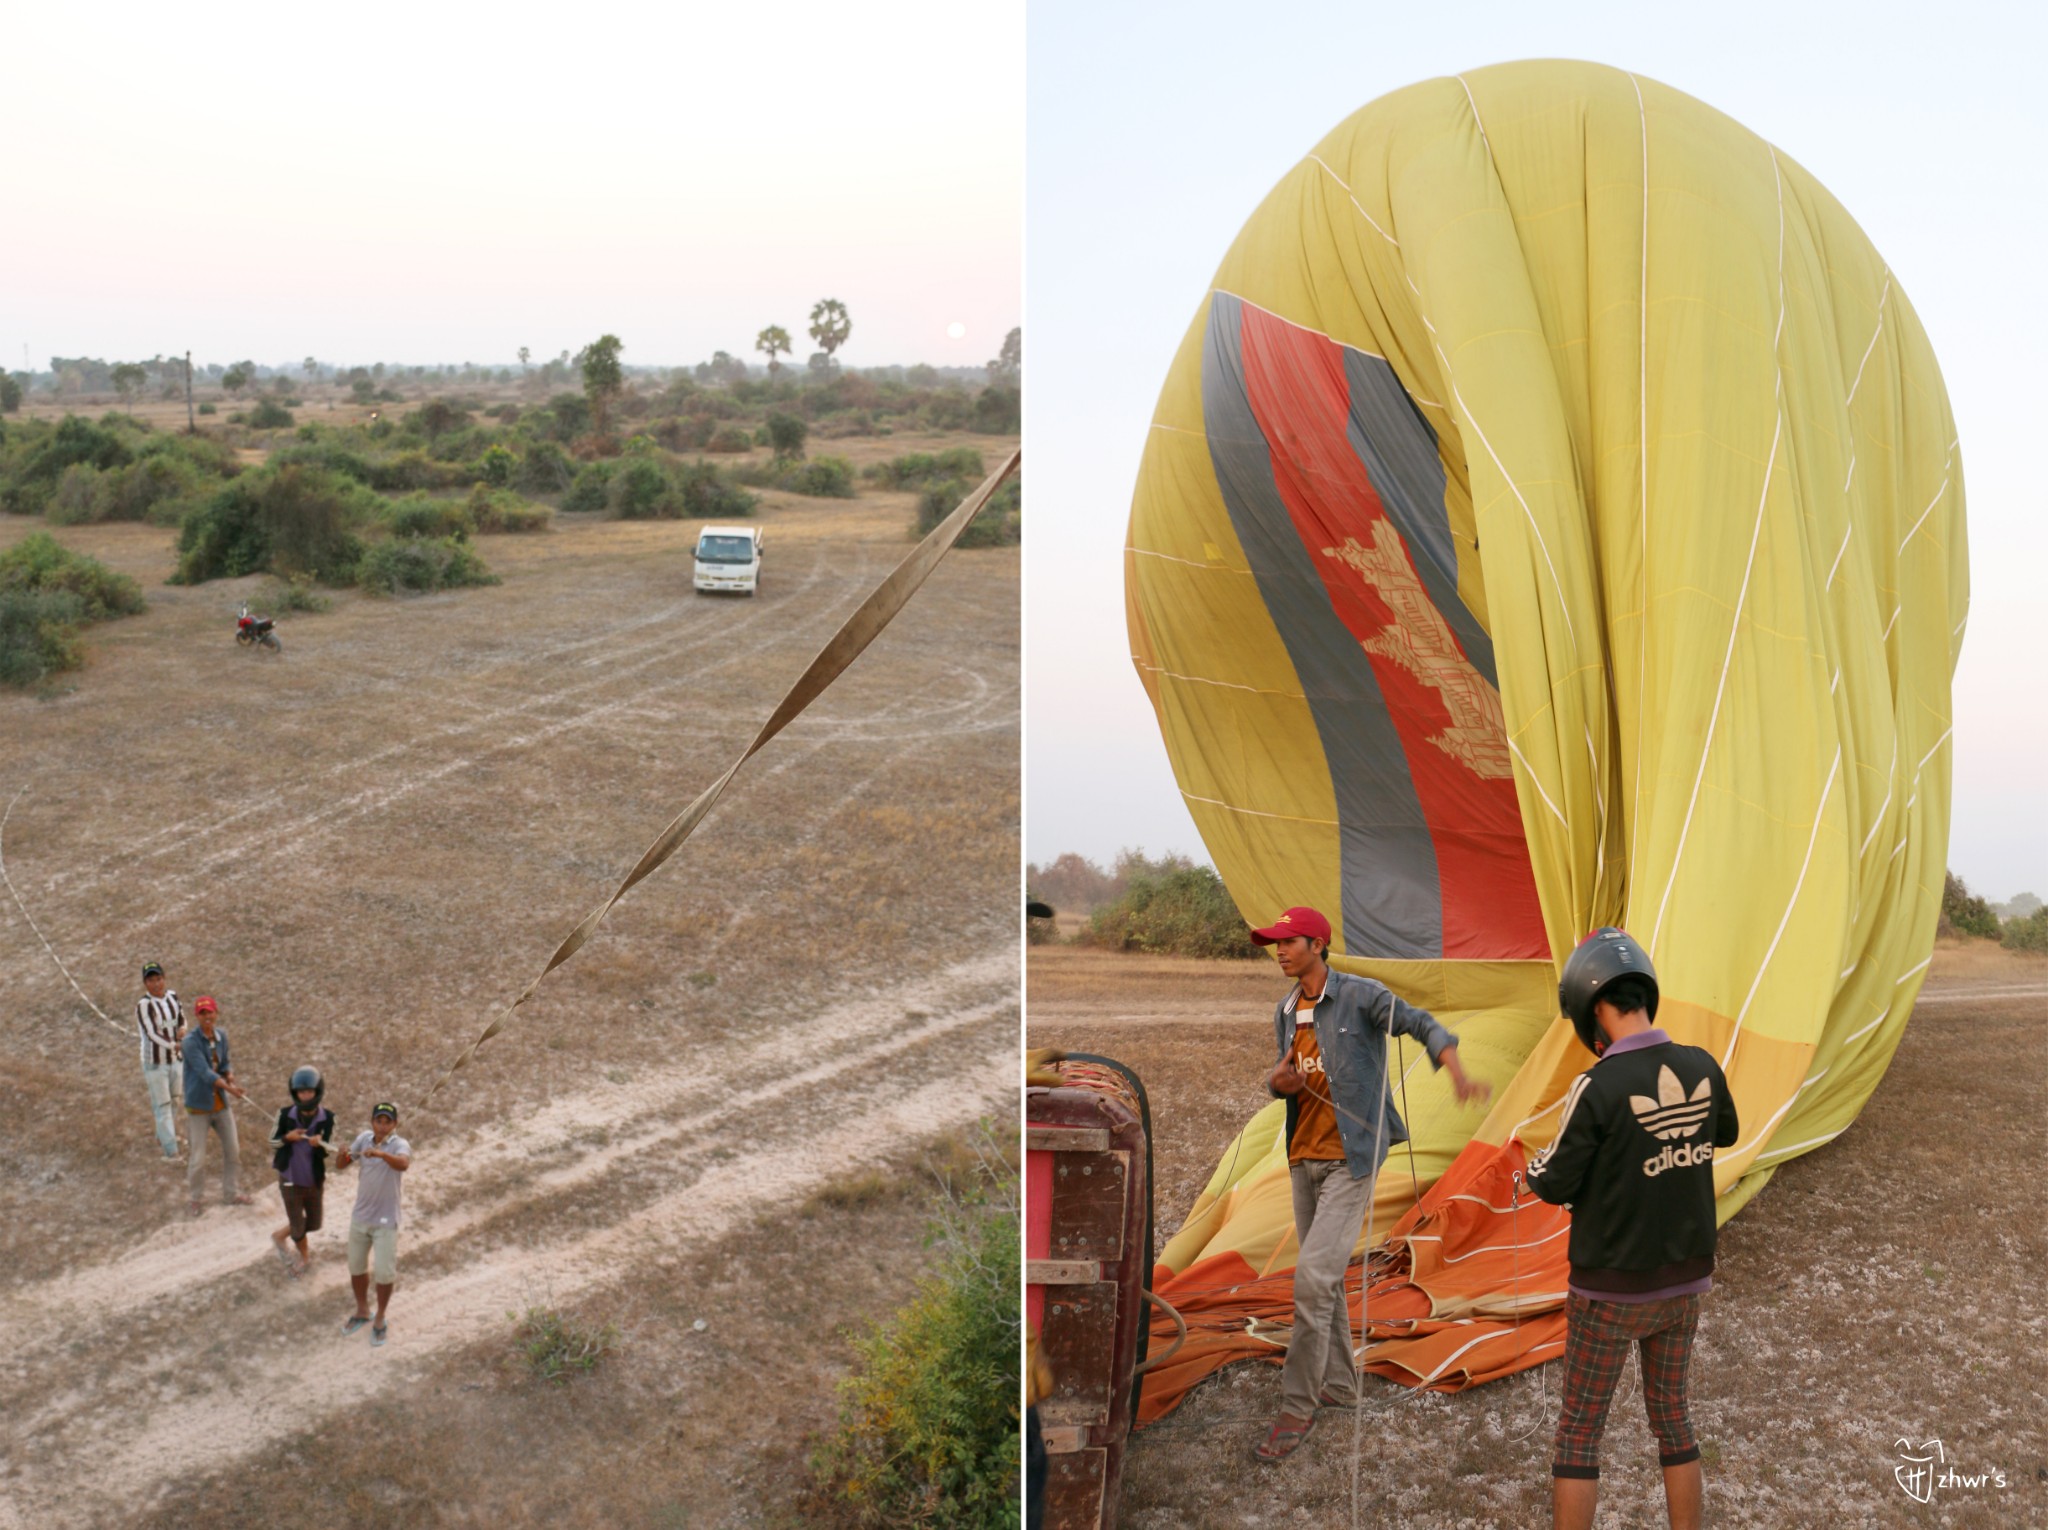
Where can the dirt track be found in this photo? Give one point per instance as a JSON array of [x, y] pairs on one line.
[[1887, 1285], [363, 847]]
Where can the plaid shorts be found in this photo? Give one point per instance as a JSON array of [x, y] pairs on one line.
[[1597, 1340]]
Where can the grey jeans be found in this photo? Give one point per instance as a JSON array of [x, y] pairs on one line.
[[222, 1124], [1329, 1214]]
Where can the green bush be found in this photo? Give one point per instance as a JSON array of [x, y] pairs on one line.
[[917, 469], [271, 415], [39, 459], [1170, 906], [928, 1425], [822, 478], [591, 486], [420, 563], [708, 495], [405, 471], [496, 467], [2028, 934], [501, 510], [998, 411], [294, 518], [419, 516], [786, 434], [641, 490], [1000, 523], [296, 593], [1963, 912], [76, 497], [544, 468], [38, 634], [40, 564], [730, 438], [208, 409]]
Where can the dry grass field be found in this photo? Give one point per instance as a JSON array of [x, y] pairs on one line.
[[1890, 1285], [364, 848]]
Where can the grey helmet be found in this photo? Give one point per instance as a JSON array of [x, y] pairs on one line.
[[308, 1077], [1598, 960]]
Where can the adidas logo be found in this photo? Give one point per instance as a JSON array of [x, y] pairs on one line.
[[1672, 1114], [1679, 1158]]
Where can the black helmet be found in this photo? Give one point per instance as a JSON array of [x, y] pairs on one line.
[[308, 1077], [1599, 959]]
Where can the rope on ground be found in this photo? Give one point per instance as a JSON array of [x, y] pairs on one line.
[[1180, 1336], [4, 877], [846, 645]]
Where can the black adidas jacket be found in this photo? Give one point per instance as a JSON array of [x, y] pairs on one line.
[[1634, 1160]]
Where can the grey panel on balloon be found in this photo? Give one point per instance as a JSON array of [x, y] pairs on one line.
[[1392, 903]]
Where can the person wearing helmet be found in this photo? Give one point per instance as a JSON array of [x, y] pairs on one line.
[[1332, 1033], [299, 1154], [373, 1225], [1634, 1160], [209, 1080]]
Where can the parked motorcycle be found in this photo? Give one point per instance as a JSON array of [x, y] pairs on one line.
[[255, 631]]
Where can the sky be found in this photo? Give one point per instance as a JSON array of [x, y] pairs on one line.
[[440, 182], [1153, 135]]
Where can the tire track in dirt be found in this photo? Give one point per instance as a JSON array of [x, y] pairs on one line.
[[126, 1427]]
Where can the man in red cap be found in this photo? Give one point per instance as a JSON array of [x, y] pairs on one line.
[[1331, 1031]]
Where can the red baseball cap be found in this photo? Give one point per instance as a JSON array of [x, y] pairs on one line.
[[204, 1005], [1296, 921]]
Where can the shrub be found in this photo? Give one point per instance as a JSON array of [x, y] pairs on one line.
[[1170, 906], [159, 488], [642, 490], [496, 467], [729, 438], [558, 1346], [405, 471], [38, 634], [998, 411], [419, 516], [708, 495], [76, 497], [422, 564], [544, 468], [208, 409], [1963, 911], [501, 510], [296, 593], [270, 415], [40, 564], [821, 478], [42, 458], [2028, 934], [589, 490], [916, 469], [786, 434], [1000, 523], [295, 518], [928, 1426]]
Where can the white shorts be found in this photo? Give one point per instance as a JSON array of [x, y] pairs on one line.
[[380, 1242]]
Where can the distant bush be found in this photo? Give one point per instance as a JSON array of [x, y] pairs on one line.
[[821, 478], [38, 635], [916, 469], [501, 510], [998, 411], [419, 516], [296, 594], [786, 434], [76, 496], [730, 438], [1000, 523], [270, 415], [928, 1426], [2028, 934], [408, 470], [641, 489], [38, 457], [496, 467], [294, 518], [421, 564], [708, 495], [591, 487], [1963, 912], [1076, 884], [208, 409], [544, 468], [1170, 906], [47, 592]]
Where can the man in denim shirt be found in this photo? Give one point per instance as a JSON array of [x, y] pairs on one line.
[[209, 1080], [1331, 1033]]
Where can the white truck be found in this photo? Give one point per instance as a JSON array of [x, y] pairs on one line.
[[728, 558]]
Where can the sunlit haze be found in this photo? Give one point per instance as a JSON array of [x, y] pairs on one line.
[[428, 184], [1150, 144]]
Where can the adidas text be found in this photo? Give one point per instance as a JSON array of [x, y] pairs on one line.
[[1679, 1158]]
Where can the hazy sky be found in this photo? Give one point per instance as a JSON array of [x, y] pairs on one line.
[[1152, 139], [440, 182]]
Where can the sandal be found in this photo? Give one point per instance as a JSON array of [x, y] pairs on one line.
[[1328, 1400], [353, 1326], [378, 1335], [283, 1255], [1284, 1440]]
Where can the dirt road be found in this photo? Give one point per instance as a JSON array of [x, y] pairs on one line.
[[365, 846]]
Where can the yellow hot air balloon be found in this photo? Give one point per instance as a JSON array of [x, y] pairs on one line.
[[1553, 518]]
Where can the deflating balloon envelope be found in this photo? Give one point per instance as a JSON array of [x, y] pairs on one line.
[[1553, 518]]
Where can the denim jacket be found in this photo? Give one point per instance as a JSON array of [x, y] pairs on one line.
[[1353, 1020], [202, 1077]]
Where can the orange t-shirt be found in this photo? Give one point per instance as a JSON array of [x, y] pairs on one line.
[[1315, 1137]]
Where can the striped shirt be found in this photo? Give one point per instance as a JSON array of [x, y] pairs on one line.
[[159, 1021]]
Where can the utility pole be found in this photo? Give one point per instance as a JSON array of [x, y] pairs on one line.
[[191, 420]]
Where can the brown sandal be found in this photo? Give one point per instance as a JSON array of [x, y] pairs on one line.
[[1284, 1439], [1327, 1400]]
